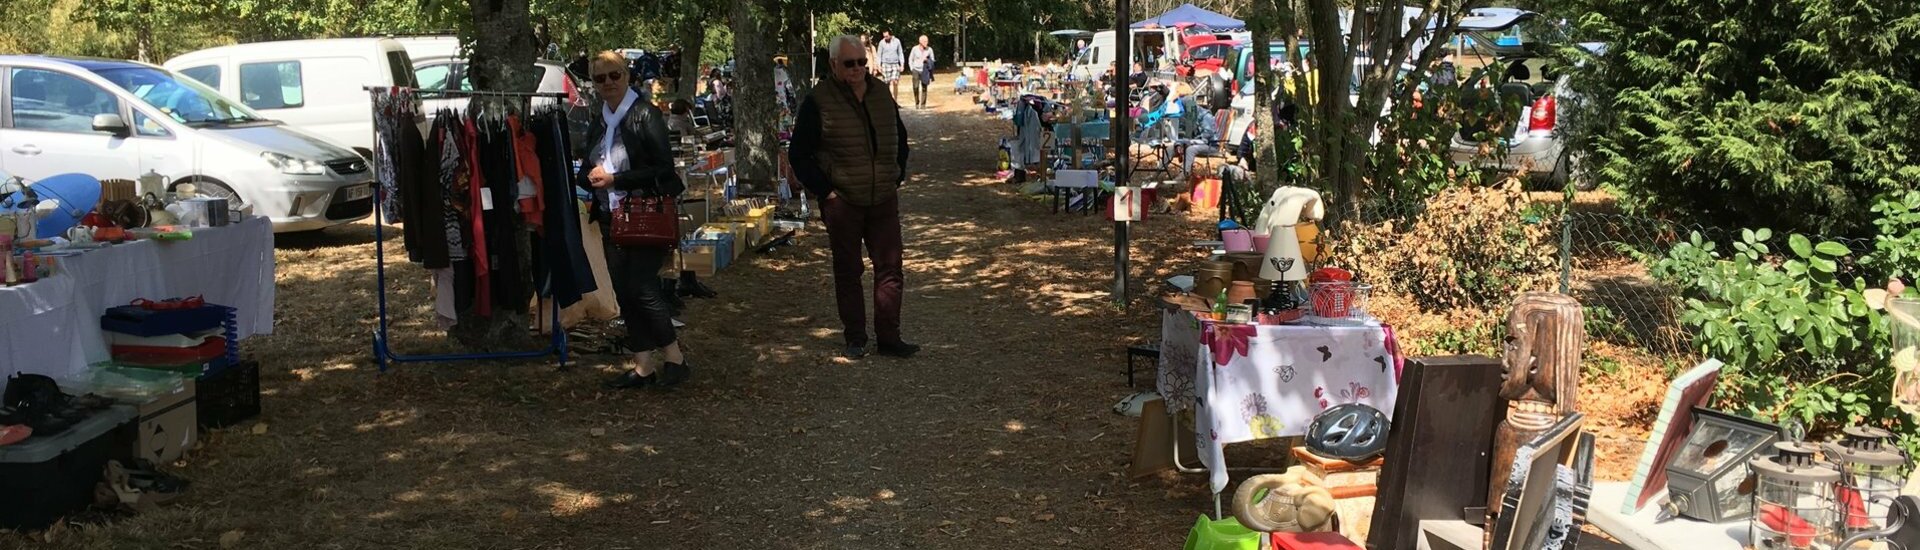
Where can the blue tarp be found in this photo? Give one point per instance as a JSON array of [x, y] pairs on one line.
[[1189, 13]]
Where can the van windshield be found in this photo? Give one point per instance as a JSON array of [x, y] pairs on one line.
[[185, 100]]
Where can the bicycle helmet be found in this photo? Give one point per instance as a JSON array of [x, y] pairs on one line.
[[1352, 432]]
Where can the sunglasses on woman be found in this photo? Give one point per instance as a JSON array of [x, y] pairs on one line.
[[604, 78], [851, 63]]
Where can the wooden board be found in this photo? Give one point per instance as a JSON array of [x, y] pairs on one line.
[[1437, 448]]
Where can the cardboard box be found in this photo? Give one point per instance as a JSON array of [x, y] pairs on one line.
[[169, 425], [706, 257]]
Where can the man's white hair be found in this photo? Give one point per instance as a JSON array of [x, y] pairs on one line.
[[841, 42]]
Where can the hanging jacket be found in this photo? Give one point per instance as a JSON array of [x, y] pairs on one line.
[[857, 149]]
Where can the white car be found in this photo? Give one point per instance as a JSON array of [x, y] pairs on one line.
[[121, 119], [316, 85]]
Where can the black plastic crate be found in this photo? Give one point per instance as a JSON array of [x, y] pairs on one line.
[[46, 478], [229, 396]]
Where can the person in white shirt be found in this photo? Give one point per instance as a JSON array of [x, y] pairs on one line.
[[921, 62], [892, 59]]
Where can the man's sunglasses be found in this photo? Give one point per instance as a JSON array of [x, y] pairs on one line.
[[604, 78], [851, 63]]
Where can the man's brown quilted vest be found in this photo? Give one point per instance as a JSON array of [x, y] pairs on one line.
[[862, 159]]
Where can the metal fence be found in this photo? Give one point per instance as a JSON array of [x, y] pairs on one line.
[[1605, 259]]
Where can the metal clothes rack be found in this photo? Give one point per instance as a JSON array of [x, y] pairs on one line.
[[382, 352]]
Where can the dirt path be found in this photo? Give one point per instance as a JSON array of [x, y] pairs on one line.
[[997, 436]]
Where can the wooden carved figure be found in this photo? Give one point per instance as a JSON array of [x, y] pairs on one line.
[[1540, 378]]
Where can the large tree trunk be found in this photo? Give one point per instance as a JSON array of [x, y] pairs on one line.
[[691, 35], [504, 51], [504, 48], [755, 114]]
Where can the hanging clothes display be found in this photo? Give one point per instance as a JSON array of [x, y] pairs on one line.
[[489, 208]]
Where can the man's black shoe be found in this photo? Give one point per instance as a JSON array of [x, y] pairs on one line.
[[854, 352], [902, 350]]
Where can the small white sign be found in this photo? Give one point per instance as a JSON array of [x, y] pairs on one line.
[[1126, 204]]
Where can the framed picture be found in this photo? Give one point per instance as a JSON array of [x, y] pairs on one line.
[[1530, 510]]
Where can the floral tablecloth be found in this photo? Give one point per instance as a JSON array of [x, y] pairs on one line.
[[1248, 382]]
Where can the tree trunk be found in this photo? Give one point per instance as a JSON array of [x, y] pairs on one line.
[[756, 116], [504, 49], [691, 35], [797, 42]]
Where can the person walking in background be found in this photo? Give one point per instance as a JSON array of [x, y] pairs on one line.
[[892, 60], [873, 55], [849, 148], [921, 61], [632, 155]]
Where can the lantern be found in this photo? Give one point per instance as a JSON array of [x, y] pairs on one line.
[[1869, 467], [1705, 480], [1793, 499]]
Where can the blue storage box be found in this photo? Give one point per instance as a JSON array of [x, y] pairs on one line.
[[139, 321]]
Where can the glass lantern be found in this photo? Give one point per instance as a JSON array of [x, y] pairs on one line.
[[1869, 467], [1793, 500], [1707, 478]]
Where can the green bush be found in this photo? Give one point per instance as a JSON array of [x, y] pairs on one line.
[[1792, 114], [1792, 323]]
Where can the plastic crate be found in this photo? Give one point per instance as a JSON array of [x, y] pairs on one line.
[[229, 396], [139, 321], [46, 478]]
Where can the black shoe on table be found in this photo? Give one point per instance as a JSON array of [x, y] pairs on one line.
[[674, 373]]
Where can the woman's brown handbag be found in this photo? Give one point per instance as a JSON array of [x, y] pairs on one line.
[[645, 221]]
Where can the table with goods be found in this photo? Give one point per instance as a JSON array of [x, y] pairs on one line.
[[122, 310]]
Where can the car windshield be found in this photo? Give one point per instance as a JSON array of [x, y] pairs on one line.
[[179, 97]]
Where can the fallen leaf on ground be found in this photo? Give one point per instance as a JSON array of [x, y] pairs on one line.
[[1043, 517], [231, 539], [883, 494], [1077, 530], [597, 432], [260, 429], [944, 523], [1006, 520]]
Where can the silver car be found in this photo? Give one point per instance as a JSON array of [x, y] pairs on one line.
[[121, 119], [1521, 77]]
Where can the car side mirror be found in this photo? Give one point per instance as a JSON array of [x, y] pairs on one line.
[[112, 124]]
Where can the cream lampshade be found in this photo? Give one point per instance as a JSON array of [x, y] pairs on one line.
[[1287, 212]]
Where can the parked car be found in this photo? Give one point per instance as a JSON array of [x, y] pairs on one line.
[[122, 119], [1521, 76], [1207, 54], [316, 85]]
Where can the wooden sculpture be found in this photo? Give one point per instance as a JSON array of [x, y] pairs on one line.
[[1540, 376]]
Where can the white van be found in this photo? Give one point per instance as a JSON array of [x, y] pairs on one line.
[[316, 85], [122, 119], [1093, 62]]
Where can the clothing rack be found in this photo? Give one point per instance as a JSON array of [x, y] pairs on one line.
[[382, 353]]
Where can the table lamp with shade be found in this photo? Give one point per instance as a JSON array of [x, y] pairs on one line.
[[1288, 213]]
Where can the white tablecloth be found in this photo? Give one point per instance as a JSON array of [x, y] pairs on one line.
[[1248, 382], [52, 326]]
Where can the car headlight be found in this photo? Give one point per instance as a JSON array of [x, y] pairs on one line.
[[294, 166]]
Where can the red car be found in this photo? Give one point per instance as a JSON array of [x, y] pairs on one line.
[[1206, 54]]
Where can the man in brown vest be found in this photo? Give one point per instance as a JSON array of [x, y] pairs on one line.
[[849, 148]]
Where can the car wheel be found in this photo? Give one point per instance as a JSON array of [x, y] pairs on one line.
[[213, 190], [1569, 169]]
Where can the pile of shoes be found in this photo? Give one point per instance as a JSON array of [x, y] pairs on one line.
[[35, 402], [137, 486]]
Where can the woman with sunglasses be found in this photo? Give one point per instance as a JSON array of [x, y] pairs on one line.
[[630, 155]]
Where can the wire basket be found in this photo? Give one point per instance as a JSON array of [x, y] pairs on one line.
[[1339, 299]]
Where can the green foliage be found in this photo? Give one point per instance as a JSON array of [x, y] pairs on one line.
[[1732, 111], [1790, 318]]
